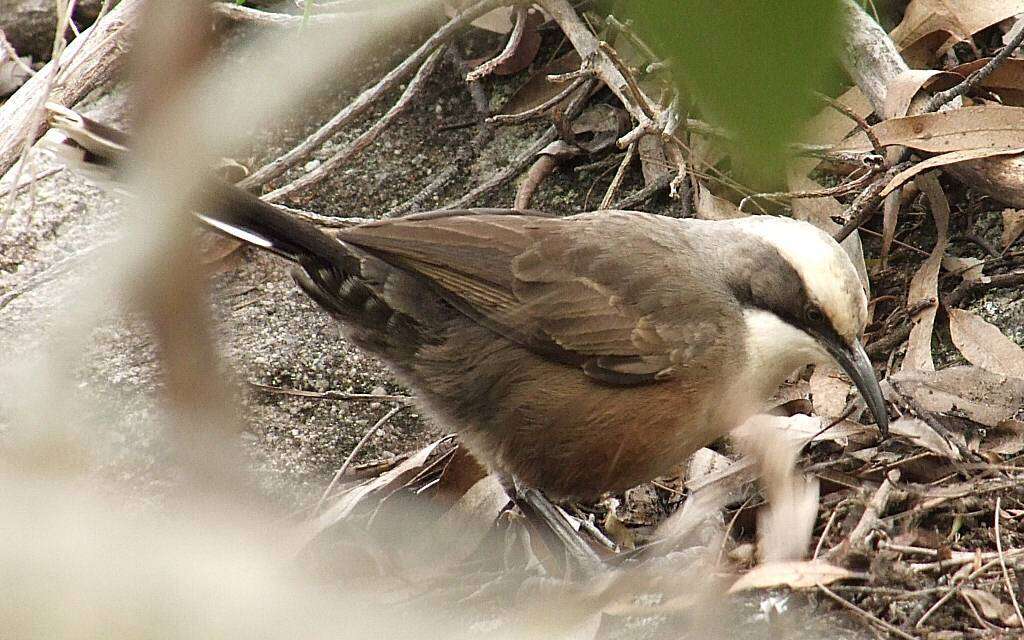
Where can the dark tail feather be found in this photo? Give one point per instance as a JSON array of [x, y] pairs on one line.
[[95, 150]]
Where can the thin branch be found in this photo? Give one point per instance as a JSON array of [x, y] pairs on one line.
[[5, 47], [1002, 558], [613, 188], [329, 166], [363, 101], [864, 614], [533, 112], [352, 454], [975, 79]]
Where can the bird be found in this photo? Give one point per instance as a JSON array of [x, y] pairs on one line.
[[578, 354]]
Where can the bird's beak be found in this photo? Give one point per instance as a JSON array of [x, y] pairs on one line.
[[856, 364]]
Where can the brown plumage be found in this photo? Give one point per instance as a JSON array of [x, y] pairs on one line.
[[580, 354]]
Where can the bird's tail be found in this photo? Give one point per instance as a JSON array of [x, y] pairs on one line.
[[97, 151]]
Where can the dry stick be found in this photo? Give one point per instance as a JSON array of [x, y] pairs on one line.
[[514, 40], [542, 167], [332, 395], [363, 101], [527, 157], [254, 17], [660, 184], [95, 60], [875, 508], [613, 188], [540, 109], [827, 192], [37, 116], [865, 204], [862, 124], [867, 616], [327, 167], [6, 47], [999, 547], [825, 532], [34, 179], [355, 450], [972, 81]]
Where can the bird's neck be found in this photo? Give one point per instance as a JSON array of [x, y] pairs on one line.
[[775, 349]]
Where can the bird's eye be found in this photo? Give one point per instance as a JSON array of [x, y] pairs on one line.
[[813, 314]]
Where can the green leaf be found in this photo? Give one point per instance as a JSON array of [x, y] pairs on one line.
[[748, 66]]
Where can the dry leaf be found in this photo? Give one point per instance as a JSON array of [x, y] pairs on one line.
[[538, 89], [796, 575], [922, 435], [901, 90], [653, 161], [829, 126], [711, 207], [984, 345], [525, 52], [1007, 79], [471, 518], [944, 159], [992, 608], [989, 126], [1006, 438], [924, 285], [499, 20], [985, 397], [969, 269], [961, 19], [829, 390], [1013, 226], [383, 486]]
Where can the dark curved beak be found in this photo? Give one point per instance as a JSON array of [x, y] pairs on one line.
[[856, 364]]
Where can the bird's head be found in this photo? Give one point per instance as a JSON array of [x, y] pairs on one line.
[[806, 302]]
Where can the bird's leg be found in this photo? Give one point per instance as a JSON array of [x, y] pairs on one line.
[[553, 526]]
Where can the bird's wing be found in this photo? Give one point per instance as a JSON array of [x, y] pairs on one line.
[[605, 291]]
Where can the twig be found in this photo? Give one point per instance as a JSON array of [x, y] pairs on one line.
[[515, 39], [508, 173], [644, 194], [975, 79], [248, 16], [634, 88], [862, 124], [37, 113], [999, 541], [328, 167], [88, 62], [533, 112], [613, 188], [352, 454], [34, 179], [872, 512], [865, 204], [935, 607], [867, 616], [527, 157], [825, 532], [363, 101], [827, 192], [540, 169], [332, 395], [6, 47]]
